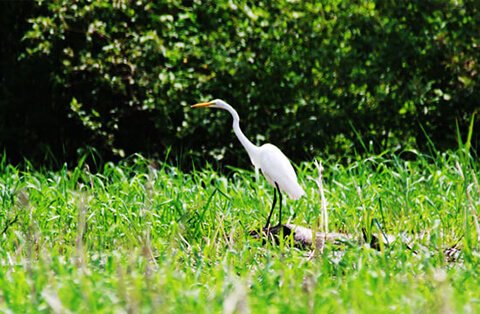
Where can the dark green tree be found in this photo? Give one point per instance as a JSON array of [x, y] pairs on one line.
[[312, 77]]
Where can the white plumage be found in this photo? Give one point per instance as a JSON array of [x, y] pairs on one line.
[[274, 165]]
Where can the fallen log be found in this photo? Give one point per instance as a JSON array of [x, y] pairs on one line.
[[302, 237]]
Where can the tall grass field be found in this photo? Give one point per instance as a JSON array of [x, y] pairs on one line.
[[144, 237]]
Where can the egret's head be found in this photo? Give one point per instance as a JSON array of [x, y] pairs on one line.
[[216, 103]]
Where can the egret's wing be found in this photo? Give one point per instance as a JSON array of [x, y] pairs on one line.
[[277, 168]]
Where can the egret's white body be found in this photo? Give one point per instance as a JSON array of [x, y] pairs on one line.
[[274, 165]]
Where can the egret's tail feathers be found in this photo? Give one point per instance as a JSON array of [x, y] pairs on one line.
[[296, 192]]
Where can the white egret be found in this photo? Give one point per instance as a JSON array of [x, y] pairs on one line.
[[274, 165]]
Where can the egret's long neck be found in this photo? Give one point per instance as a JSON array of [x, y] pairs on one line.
[[249, 146]]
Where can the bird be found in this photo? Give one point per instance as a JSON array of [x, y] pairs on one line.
[[274, 165]]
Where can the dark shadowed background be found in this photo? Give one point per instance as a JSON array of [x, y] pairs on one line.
[[330, 78]]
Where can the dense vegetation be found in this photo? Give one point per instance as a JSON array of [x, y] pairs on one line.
[[145, 237], [388, 87], [324, 77]]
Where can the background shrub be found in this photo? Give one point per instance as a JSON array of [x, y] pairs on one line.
[[326, 78]]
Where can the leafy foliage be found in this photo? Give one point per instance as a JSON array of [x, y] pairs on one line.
[[311, 77]]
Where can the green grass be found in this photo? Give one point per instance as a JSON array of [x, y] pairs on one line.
[[143, 239]]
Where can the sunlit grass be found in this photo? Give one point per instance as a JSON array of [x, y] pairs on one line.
[[139, 236]]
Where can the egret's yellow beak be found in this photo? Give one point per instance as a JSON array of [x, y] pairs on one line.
[[203, 104]]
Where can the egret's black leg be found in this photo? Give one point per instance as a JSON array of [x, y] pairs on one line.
[[280, 199], [273, 207]]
